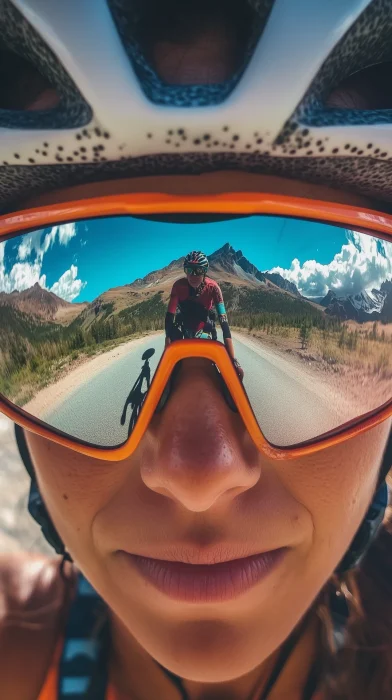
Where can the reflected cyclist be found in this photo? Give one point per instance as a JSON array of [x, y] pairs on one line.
[[191, 306]]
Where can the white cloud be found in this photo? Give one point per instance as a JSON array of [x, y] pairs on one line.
[[23, 276], [32, 242], [364, 262], [66, 232], [68, 287], [25, 247], [27, 271]]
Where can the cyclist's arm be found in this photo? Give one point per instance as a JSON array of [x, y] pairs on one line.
[[227, 339], [224, 324], [170, 314], [220, 307]]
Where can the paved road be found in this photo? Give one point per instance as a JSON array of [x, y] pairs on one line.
[[93, 411], [290, 408]]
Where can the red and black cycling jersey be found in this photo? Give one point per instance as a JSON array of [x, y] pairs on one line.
[[195, 305]]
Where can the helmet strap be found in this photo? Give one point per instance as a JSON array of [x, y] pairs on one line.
[[340, 596], [38, 511], [373, 519], [36, 505]]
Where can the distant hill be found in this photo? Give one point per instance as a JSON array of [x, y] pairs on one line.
[[41, 303], [38, 328], [246, 289], [227, 267]]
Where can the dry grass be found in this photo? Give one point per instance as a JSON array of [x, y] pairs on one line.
[[371, 356], [361, 375], [363, 353], [366, 328]]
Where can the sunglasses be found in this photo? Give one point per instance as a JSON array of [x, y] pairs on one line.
[[195, 271], [305, 286]]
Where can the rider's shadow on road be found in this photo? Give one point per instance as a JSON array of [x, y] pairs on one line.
[[136, 396]]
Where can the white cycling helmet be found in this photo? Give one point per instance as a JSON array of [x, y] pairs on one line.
[[115, 116]]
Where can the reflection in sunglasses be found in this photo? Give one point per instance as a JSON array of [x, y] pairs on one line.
[[308, 307], [136, 396]]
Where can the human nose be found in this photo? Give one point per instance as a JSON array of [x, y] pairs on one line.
[[202, 452]]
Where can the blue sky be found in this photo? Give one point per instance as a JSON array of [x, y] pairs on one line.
[[80, 261], [147, 245]]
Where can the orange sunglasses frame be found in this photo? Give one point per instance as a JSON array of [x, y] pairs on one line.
[[364, 220]]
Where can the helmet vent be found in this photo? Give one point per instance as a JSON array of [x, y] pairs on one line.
[[366, 89], [189, 43], [22, 86], [193, 53]]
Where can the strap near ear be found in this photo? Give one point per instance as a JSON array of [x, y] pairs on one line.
[[24, 450], [37, 510], [386, 464], [367, 533], [339, 612], [36, 506]]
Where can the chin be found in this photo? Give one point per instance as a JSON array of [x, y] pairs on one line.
[[211, 652]]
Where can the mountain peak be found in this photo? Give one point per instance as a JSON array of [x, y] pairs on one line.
[[225, 263], [366, 305], [226, 249], [329, 298], [36, 301], [229, 260], [386, 286]]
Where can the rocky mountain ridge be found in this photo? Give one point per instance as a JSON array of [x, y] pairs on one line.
[[228, 266], [227, 261], [367, 305]]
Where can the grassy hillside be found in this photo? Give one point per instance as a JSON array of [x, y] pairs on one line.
[[28, 344], [244, 303], [32, 353]]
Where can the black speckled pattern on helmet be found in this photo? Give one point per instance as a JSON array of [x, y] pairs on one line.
[[127, 17], [17, 35], [365, 171], [368, 42], [364, 175]]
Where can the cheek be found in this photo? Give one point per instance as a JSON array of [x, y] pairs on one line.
[[336, 487], [75, 489]]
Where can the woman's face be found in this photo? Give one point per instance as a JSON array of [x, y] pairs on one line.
[[197, 488], [195, 280]]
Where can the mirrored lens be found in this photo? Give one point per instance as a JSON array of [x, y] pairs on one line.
[[194, 270], [85, 306]]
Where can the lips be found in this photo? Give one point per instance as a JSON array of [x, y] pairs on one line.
[[205, 583]]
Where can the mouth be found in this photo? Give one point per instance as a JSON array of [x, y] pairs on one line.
[[205, 583]]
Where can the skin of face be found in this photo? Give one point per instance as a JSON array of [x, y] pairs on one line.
[[197, 482], [195, 280], [152, 503]]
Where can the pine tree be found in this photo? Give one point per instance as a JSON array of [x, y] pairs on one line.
[[304, 335]]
